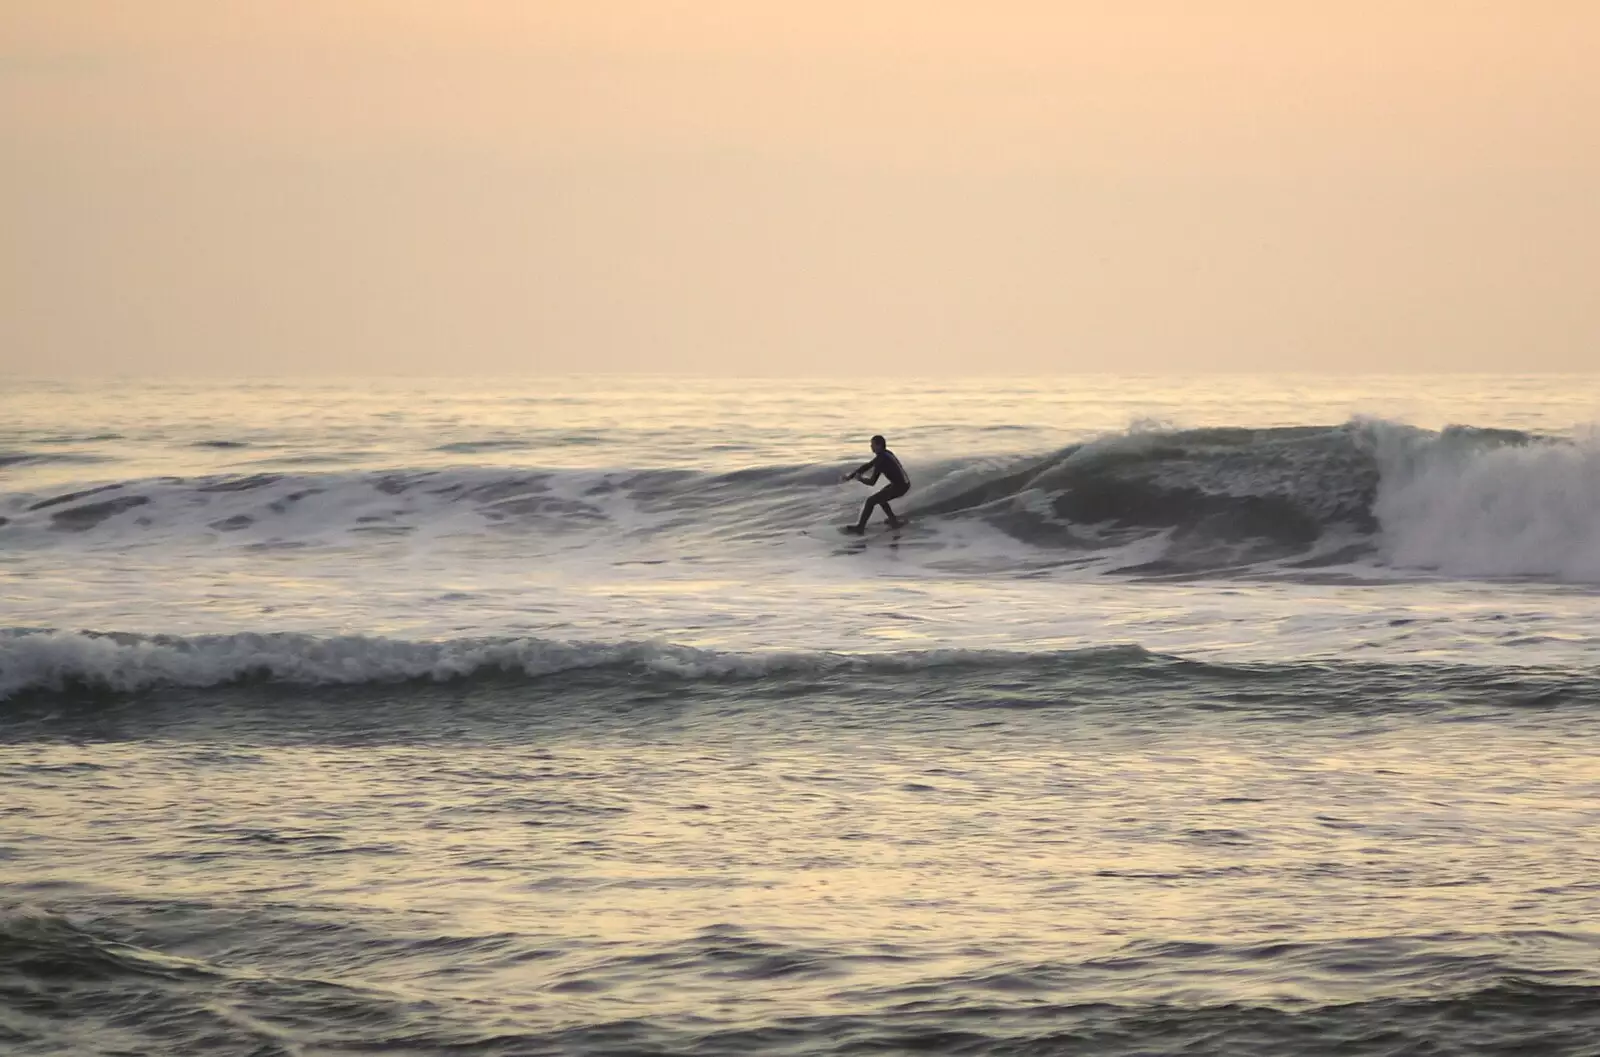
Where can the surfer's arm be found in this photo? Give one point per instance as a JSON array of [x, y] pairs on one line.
[[855, 475]]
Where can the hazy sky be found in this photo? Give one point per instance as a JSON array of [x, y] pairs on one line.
[[813, 187]]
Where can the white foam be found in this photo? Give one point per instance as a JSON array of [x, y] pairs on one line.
[[1475, 507], [328, 509], [1464, 503], [55, 661]]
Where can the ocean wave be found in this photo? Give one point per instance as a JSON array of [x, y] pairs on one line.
[[38, 945], [1460, 502], [42, 662], [1479, 503], [35, 661], [1218, 497], [114, 988], [1513, 1015], [469, 447], [29, 458]]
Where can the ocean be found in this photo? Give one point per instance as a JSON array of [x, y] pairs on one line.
[[1224, 715]]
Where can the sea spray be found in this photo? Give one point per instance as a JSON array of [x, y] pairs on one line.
[[1474, 503]]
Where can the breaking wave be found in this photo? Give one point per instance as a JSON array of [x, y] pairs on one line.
[[49, 664], [1459, 502], [43, 661], [1478, 503]]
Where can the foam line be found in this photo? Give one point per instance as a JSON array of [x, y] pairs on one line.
[[56, 661]]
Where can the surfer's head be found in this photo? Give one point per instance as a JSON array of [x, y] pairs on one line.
[[878, 444]]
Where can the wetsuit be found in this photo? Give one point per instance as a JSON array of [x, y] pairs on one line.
[[899, 484]]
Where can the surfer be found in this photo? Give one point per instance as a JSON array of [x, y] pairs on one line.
[[883, 462]]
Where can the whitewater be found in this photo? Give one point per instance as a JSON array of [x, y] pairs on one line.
[[703, 516], [1225, 714]]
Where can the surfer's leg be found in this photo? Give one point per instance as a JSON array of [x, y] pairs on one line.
[[894, 491], [881, 498]]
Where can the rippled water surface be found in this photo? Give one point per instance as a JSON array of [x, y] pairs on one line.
[[1243, 716]]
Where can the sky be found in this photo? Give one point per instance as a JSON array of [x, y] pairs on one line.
[[864, 189]]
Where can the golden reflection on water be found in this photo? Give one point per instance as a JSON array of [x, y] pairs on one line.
[[1087, 840]]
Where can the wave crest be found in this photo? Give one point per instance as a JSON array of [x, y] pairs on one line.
[[42, 661], [1462, 501], [1490, 503]]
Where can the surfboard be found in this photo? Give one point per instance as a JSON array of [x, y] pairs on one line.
[[875, 530], [854, 543]]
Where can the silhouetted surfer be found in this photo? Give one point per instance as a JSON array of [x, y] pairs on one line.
[[883, 462]]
